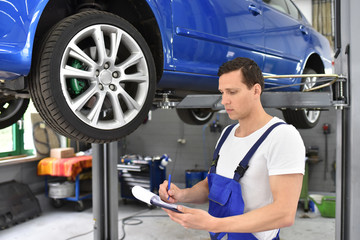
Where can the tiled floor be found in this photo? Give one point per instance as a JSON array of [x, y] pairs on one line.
[[65, 224]]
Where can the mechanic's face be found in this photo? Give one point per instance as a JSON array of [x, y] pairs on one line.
[[237, 98]]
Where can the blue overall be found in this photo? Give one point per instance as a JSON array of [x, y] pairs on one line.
[[225, 196]]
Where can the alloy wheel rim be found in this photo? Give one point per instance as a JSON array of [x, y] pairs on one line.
[[311, 115], [113, 74]]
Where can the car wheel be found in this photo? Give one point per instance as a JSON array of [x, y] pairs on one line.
[[303, 118], [95, 79], [79, 207], [11, 110], [57, 203], [196, 116]]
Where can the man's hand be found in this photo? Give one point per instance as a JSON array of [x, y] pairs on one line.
[[197, 194], [174, 192], [192, 218]]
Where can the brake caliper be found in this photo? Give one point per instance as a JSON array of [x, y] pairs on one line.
[[77, 86]]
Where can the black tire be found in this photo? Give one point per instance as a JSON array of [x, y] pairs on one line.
[[303, 118], [79, 206], [36, 92], [11, 110], [195, 116], [88, 86]]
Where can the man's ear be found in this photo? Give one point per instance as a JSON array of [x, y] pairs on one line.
[[257, 89]]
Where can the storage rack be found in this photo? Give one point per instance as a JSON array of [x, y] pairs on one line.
[[147, 173]]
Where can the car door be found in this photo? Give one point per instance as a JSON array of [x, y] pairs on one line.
[[286, 39], [209, 33]]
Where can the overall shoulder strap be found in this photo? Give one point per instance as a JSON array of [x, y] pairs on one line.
[[244, 164], [218, 147]]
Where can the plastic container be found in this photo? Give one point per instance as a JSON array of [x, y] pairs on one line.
[[194, 176], [61, 189], [325, 204]]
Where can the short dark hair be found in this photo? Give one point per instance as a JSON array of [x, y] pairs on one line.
[[250, 70]]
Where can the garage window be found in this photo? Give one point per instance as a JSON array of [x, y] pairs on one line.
[[17, 139], [6, 140]]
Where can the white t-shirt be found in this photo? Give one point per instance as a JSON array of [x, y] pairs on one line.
[[282, 152]]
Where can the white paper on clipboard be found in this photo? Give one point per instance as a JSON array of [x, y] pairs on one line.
[[150, 198]]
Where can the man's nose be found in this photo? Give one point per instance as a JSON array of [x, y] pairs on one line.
[[224, 100]]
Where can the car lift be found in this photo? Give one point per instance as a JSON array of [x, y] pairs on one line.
[[105, 156], [333, 97], [347, 62], [105, 191]]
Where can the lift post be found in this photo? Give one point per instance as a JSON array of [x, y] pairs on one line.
[[348, 124], [105, 190]]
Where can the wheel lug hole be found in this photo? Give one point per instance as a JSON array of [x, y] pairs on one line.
[[106, 65], [101, 87], [97, 73]]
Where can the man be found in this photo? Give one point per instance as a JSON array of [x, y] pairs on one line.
[[261, 197]]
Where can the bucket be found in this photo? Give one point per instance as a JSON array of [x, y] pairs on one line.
[[194, 176], [325, 204], [61, 189]]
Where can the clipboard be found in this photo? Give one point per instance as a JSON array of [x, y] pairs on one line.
[[150, 198]]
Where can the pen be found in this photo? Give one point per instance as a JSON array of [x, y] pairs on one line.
[[169, 183]]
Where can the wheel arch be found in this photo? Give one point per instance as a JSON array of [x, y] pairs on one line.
[[314, 62], [143, 15], [138, 13]]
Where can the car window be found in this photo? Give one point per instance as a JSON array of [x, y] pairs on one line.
[[278, 4], [293, 10]]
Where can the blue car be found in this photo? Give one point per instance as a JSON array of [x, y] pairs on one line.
[[94, 68]]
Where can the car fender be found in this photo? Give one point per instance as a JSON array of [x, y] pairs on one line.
[[321, 47], [326, 55], [15, 58], [163, 14]]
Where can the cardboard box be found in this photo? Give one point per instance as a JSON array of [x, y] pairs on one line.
[[62, 152]]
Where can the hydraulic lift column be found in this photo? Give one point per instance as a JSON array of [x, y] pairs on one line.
[[105, 191], [348, 138]]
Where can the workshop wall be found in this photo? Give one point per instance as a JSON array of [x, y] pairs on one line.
[[161, 134], [322, 178], [25, 172]]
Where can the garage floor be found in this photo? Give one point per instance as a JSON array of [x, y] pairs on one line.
[[65, 224]]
